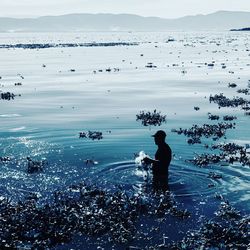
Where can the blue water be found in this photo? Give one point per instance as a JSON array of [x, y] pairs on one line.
[[56, 104]]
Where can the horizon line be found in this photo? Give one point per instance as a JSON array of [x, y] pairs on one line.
[[106, 13]]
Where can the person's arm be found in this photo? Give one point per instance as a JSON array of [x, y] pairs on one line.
[[148, 161]]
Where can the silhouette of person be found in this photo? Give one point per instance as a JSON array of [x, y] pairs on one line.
[[161, 162]]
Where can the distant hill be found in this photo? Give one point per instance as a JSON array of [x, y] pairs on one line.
[[222, 20], [243, 29]]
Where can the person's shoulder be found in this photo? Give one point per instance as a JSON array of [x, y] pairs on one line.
[[168, 147]]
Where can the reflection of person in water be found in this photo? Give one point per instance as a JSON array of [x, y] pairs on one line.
[[161, 162]]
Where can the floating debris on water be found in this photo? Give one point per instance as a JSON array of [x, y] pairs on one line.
[[229, 230], [232, 85], [229, 118], [230, 154], [213, 117], [213, 175], [151, 118], [22, 77], [170, 40], [205, 159], [194, 140], [244, 91], [227, 234], [227, 211], [218, 196], [90, 162], [5, 159], [80, 208], [107, 70], [35, 166], [231, 148], [234, 153], [210, 64], [8, 96], [150, 65], [223, 101], [82, 135], [64, 45], [206, 130], [94, 135]]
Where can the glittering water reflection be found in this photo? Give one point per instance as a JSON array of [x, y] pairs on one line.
[[56, 104]]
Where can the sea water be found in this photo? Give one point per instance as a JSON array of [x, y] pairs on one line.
[[65, 91]]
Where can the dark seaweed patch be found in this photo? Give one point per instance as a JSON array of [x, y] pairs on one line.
[[80, 209], [223, 101], [63, 45], [151, 118], [229, 230], [93, 135], [230, 153], [8, 96], [206, 159], [35, 166], [207, 130], [213, 117]]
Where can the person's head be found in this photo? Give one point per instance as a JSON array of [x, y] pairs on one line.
[[159, 137]]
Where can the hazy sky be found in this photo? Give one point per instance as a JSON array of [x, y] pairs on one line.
[[161, 8]]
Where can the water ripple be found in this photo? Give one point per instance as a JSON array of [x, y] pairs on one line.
[[183, 181]]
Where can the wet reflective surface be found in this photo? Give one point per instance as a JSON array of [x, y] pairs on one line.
[[56, 104]]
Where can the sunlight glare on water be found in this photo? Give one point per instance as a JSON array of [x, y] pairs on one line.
[[65, 91]]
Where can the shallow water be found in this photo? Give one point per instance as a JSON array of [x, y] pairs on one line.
[[56, 104]]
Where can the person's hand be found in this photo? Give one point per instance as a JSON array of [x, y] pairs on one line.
[[147, 161]]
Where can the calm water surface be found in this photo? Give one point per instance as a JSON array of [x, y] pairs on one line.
[[56, 104]]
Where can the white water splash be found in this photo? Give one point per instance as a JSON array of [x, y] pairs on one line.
[[139, 159]]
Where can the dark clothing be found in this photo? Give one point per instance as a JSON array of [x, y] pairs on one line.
[[163, 157]]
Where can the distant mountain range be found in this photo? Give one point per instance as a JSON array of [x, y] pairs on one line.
[[221, 20], [243, 29]]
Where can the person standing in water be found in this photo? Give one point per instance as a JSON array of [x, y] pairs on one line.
[[160, 164]]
